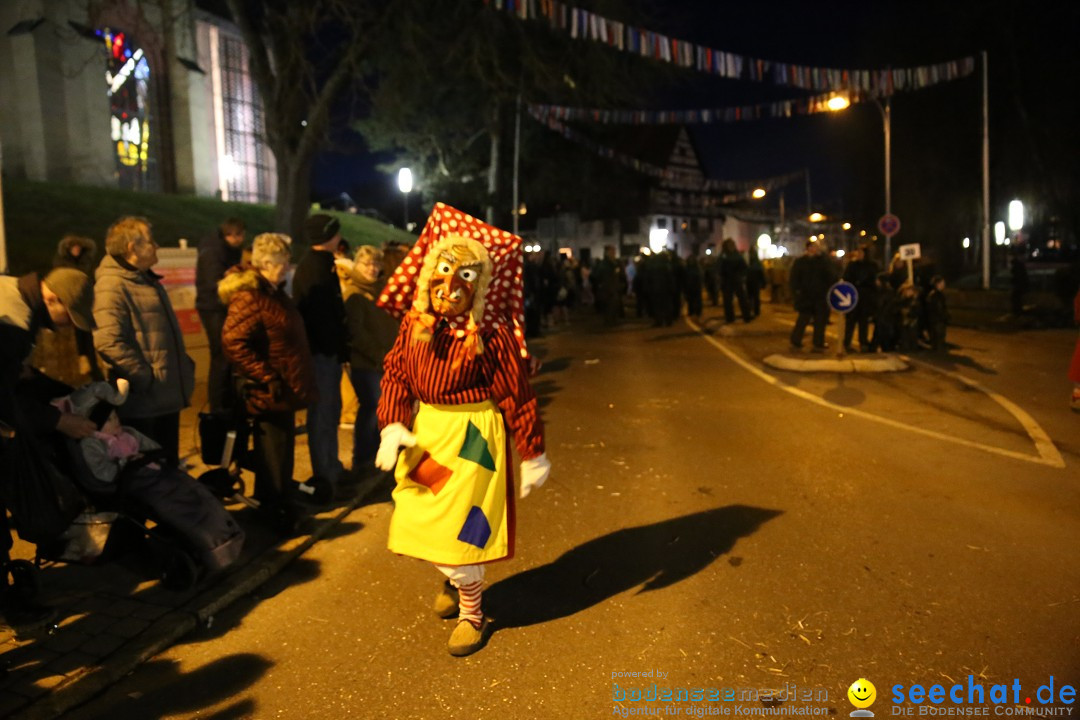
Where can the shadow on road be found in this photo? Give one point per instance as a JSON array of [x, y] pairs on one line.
[[165, 690], [655, 555]]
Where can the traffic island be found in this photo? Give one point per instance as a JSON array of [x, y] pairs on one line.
[[853, 364]]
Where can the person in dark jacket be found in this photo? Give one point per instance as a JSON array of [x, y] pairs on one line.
[[886, 314], [75, 251], [733, 281], [372, 332], [812, 274], [217, 254], [317, 292], [937, 313], [264, 340], [755, 280], [27, 304], [862, 273], [138, 335], [692, 287]]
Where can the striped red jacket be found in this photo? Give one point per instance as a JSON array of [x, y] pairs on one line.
[[417, 370]]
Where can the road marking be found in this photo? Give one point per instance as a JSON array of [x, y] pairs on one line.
[[1048, 453]]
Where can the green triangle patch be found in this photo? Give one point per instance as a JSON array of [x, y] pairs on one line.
[[475, 448]]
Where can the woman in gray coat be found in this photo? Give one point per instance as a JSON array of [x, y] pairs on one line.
[[138, 336]]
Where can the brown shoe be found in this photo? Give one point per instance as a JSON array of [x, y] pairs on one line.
[[466, 639], [446, 602]]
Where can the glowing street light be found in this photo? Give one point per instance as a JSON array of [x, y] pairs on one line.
[[658, 239], [816, 217], [999, 233], [764, 242], [405, 185], [846, 226], [837, 103], [966, 243], [758, 193], [1016, 215]]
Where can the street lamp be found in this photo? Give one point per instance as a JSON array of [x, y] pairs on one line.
[[758, 193], [816, 217], [1016, 217], [405, 185], [999, 233]]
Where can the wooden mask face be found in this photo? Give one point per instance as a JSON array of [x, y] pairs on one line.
[[454, 281]]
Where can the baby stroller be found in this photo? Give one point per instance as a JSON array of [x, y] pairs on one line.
[[70, 514]]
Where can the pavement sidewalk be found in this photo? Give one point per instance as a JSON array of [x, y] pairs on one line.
[[114, 616]]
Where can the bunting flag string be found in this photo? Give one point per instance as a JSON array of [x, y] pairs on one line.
[[585, 25], [735, 189], [761, 111]]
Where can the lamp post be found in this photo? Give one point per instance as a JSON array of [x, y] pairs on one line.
[[886, 120], [405, 185]]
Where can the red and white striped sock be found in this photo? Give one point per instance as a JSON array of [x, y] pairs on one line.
[[469, 603]]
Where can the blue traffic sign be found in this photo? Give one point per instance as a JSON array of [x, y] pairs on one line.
[[843, 297]]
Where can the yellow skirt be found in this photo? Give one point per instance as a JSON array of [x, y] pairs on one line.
[[454, 500]]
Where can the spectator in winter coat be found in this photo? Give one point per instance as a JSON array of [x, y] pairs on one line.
[[27, 304], [372, 332], [317, 292], [755, 280], [138, 336], [862, 273], [812, 274], [267, 347], [216, 255], [937, 313], [886, 315]]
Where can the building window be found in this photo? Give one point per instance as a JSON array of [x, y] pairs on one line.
[[127, 79], [242, 162]]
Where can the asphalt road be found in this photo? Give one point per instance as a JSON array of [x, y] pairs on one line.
[[702, 523]]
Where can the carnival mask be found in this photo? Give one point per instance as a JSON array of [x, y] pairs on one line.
[[454, 280]]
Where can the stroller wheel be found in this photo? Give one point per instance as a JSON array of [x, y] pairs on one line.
[[178, 570], [21, 579]]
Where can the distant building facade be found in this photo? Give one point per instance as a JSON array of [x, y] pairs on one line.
[[112, 94], [683, 212]]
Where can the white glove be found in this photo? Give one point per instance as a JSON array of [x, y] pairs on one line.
[[534, 473], [393, 436]]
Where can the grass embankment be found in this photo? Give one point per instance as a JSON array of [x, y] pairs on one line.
[[37, 215]]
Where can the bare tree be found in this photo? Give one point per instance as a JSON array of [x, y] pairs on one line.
[[306, 55]]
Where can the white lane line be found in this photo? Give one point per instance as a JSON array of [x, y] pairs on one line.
[[1048, 453]]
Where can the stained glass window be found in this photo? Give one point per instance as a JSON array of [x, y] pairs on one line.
[[127, 79]]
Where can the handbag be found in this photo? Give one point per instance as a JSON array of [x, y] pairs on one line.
[[214, 429]]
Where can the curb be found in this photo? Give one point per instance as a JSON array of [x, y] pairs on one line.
[[171, 627], [884, 363]]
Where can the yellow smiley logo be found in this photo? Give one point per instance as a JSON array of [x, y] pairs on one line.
[[862, 693]]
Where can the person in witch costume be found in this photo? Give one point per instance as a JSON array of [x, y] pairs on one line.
[[454, 382]]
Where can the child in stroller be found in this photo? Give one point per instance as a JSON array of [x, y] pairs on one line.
[[122, 463]]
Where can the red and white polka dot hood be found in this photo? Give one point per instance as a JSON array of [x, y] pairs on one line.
[[499, 298]]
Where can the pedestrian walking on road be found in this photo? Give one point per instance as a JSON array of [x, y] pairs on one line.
[[733, 281], [138, 336], [755, 281], [455, 380], [812, 274], [317, 292], [937, 313]]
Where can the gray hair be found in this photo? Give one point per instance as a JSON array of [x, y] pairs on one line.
[[270, 249], [368, 253]]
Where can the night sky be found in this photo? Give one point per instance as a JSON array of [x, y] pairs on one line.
[[934, 130]]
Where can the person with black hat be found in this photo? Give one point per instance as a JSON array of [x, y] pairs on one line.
[[27, 304], [317, 292]]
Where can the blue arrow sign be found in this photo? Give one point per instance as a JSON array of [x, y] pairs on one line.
[[843, 297]]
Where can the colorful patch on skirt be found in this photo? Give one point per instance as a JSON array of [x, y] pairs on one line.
[[453, 499]]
